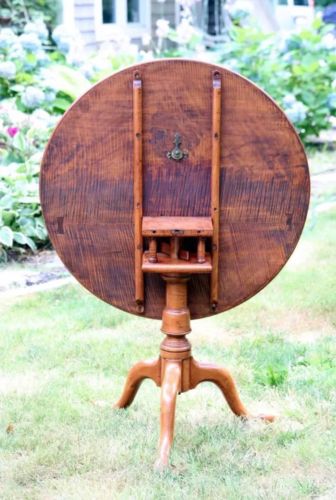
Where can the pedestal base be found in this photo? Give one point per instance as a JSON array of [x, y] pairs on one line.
[[176, 371], [175, 376]]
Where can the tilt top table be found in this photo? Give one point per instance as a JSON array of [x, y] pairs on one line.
[[175, 189]]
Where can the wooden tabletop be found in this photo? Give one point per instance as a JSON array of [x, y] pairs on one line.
[[87, 182]]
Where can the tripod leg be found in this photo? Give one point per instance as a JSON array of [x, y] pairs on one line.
[[136, 375], [170, 387], [207, 372]]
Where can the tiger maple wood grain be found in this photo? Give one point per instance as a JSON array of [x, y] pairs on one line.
[[87, 181]]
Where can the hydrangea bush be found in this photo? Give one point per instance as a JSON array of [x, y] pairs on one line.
[[22, 138], [41, 75], [38, 82], [298, 70], [35, 87]]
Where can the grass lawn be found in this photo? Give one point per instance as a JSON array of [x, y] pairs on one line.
[[64, 356]]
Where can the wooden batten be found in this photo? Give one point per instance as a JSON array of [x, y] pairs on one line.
[[215, 182], [176, 226], [138, 189]]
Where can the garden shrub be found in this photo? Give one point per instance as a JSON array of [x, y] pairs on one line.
[[17, 13], [42, 73], [298, 70], [22, 138], [36, 87], [38, 82]]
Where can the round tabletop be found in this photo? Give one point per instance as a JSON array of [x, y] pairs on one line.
[[87, 182]]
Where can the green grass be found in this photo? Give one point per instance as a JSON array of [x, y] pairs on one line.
[[64, 356]]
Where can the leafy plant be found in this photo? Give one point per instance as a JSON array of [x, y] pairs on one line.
[[39, 81], [324, 3], [37, 85], [273, 376], [297, 70], [21, 223], [18, 13]]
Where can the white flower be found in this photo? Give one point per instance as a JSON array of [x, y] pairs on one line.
[[60, 31], [187, 4], [184, 32], [132, 49], [7, 69], [88, 70], [66, 39], [329, 41], [295, 110], [240, 6], [289, 100], [32, 97], [146, 39], [162, 28], [7, 38], [42, 57], [10, 113], [75, 56], [332, 100], [41, 119], [232, 64], [47, 80], [37, 27], [99, 64], [49, 95], [16, 51], [30, 41], [146, 55]]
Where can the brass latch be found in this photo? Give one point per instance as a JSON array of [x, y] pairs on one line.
[[176, 153]]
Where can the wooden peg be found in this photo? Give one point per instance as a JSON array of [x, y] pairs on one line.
[[201, 250], [174, 247], [152, 250]]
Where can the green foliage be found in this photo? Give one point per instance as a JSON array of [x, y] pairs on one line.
[[324, 3], [17, 13], [298, 71], [36, 86], [21, 223], [38, 83]]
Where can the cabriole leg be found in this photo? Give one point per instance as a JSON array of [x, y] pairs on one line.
[[171, 384], [207, 372], [137, 374]]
